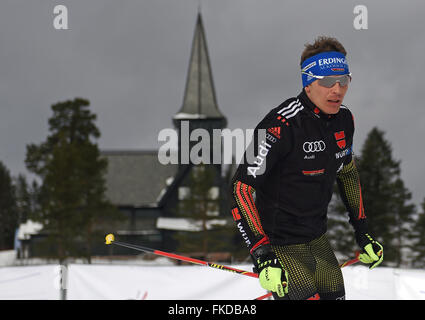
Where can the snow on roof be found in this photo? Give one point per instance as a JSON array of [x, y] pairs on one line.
[[185, 224], [184, 115], [163, 191], [28, 228]]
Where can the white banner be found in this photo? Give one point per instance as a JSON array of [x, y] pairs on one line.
[[160, 283], [121, 282], [30, 283]]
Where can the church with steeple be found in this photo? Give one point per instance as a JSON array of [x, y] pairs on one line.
[[148, 192]]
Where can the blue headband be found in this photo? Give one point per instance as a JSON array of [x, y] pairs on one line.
[[323, 64]]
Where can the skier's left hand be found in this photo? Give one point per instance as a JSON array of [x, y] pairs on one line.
[[373, 252]]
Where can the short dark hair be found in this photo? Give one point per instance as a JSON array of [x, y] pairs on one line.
[[321, 44]]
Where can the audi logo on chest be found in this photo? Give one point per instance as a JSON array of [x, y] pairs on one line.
[[314, 146]]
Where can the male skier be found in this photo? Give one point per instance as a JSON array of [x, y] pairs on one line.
[[306, 146]]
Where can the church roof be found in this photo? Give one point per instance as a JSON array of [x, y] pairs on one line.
[[199, 101], [137, 178]]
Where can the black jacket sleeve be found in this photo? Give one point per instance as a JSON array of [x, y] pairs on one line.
[[270, 142], [351, 193], [348, 181]]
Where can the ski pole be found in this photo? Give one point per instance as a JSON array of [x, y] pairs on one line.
[[350, 262], [110, 239], [342, 265]]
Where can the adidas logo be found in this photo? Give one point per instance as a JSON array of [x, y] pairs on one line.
[[275, 131]]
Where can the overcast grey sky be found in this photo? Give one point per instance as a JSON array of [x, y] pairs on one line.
[[130, 59]]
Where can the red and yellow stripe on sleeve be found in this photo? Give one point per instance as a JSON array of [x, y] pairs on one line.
[[244, 197]]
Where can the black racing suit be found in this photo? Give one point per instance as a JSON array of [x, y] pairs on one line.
[[297, 153]]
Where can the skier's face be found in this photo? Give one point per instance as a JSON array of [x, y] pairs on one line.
[[328, 100]]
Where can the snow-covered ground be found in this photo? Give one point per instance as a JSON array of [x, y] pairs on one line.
[[161, 280]]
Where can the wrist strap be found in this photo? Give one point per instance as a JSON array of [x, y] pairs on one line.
[[264, 240]]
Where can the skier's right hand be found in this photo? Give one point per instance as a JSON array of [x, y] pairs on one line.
[[272, 275]]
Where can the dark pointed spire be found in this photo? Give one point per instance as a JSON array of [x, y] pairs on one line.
[[199, 101]]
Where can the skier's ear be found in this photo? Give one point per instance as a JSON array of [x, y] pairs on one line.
[[307, 89]]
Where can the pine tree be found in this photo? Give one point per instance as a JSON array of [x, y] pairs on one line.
[[72, 206], [404, 214], [340, 233], [385, 197], [26, 198], [8, 211], [418, 244]]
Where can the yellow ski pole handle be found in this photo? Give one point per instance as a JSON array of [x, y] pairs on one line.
[[109, 238]]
